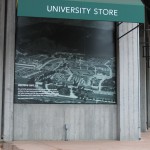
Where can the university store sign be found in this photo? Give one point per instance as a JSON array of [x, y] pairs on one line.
[[81, 10], [105, 10]]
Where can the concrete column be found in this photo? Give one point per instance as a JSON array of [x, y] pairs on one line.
[[128, 79], [9, 70], [143, 96], [148, 97], [2, 23], [148, 80]]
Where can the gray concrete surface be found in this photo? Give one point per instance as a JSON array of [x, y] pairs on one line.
[[129, 83], [9, 70], [143, 144], [2, 31], [46, 122], [143, 83]]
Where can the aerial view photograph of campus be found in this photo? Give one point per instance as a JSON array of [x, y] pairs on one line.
[[64, 61]]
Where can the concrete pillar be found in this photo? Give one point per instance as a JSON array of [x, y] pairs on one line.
[[2, 30], [128, 83], [148, 78], [9, 70], [143, 100], [148, 97]]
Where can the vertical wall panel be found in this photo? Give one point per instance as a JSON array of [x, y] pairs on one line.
[[9, 70], [2, 32], [46, 122], [143, 84], [129, 83], [148, 82]]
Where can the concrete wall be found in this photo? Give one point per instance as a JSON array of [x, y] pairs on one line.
[[148, 81], [143, 95], [9, 70], [128, 83], [148, 95], [2, 30], [46, 122]]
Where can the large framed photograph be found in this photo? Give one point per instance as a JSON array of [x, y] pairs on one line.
[[65, 61]]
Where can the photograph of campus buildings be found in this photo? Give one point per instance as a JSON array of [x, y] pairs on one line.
[[65, 61]]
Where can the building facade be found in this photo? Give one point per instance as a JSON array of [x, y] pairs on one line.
[[121, 118]]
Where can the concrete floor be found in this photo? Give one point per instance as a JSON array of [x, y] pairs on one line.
[[143, 144]]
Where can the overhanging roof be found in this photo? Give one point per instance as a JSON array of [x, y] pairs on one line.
[[104, 10]]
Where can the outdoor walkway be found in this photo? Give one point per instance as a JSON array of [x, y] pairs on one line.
[[143, 144]]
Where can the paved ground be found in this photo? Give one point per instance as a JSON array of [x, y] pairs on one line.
[[143, 144]]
